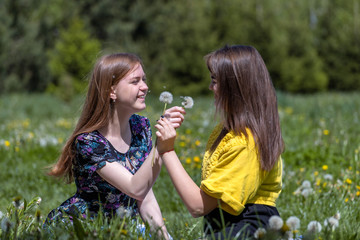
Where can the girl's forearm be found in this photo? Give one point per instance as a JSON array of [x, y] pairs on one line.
[[197, 202]]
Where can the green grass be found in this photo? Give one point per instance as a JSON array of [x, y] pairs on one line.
[[320, 132]]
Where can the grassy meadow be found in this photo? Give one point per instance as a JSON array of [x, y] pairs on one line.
[[321, 167]]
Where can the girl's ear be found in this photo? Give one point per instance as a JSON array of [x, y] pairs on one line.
[[113, 93]]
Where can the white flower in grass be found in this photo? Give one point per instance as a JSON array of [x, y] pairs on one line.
[[293, 223], [337, 215], [166, 97], [331, 222], [275, 222], [306, 192], [123, 212], [314, 227], [306, 184], [259, 233], [188, 102], [38, 201], [328, 177]]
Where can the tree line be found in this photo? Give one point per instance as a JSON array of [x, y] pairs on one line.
[[51, 45]]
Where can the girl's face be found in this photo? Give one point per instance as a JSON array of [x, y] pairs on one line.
[[213, 86], [130, 92]]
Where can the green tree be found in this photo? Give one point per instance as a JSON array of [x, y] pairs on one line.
[[71, 59]]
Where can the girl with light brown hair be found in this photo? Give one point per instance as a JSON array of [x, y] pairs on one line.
[[109, 153], [242, 167]]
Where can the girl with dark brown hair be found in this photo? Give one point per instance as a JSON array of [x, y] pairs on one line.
[[109, 153], [242, 167]]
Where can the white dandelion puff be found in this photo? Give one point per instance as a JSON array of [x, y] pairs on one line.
[[307, 192], [314, 227], [328, 177], [332, 222], [188, 102], [275, 222], [259, 233], [166, 97], [293, 223], [337, 215], [306, 184]]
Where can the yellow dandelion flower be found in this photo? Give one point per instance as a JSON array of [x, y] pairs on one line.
[[196, 159], [188, 131], [318, 181], [316, 173], [348, 181], [17, 149], [186, 224], [7, 143], [356, 151], [358, 193], [26, 123], [188, 160], [164, 219], [326, 132], [198, 166], [347, 199], [324, 184], [197, 142], [140, 238], [124, 231], [302, 169], [350, 168], [325, 167], [358, 187], [182, 144]]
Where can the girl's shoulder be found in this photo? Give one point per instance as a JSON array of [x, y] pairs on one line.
[[139, 123], [89, 137]]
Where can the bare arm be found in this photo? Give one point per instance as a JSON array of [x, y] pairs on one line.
[[137, 185], [197, 202], [150, 213]]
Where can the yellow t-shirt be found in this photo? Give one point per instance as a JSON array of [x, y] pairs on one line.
[[232, 173]]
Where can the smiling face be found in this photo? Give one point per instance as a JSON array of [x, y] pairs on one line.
[[129, 94]]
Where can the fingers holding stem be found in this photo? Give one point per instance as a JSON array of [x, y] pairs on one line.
[[166, 135]]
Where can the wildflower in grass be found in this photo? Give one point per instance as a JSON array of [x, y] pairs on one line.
[[188, 102], [38, 201], [326, 132], [325, 167], [182, 144], [197, 143], [306, 184], [7, 143], [307, 192], [331, 222], [188, 160], [328, 177], [316, 173], [188, 131], [259, 233], [358, 193], [275, 222], [314, 227], [293, 223], [346, 200], [123, 212], [337, 215], [348, 181], [196, 159]]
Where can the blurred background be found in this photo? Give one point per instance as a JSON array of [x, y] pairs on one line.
[[51, 45]]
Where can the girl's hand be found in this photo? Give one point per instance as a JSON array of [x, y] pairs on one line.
[[175, 115], [166, 135]]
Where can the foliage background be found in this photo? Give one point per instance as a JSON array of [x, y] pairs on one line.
[[50, 45]]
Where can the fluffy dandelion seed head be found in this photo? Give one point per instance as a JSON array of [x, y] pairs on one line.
[[332, 222], [306, 184], [275, 222], [260, 233], [306, 192], [188, 102], [166, 97], [314, 227], [328, 177], [293, 223], [337, 215]]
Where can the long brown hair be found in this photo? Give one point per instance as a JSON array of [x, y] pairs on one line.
[[98, 107], [246, 98]]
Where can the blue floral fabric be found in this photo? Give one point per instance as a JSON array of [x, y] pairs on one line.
[[93, 193]]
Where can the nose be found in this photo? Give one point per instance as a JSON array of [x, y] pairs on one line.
[[144, 86]]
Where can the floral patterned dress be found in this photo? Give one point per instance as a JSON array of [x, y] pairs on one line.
[[93, 193]]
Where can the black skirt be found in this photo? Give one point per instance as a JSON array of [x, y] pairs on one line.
[[222, 225]]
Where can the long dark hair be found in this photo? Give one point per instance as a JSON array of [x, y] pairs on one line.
[[246, 98], [98, 107]]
